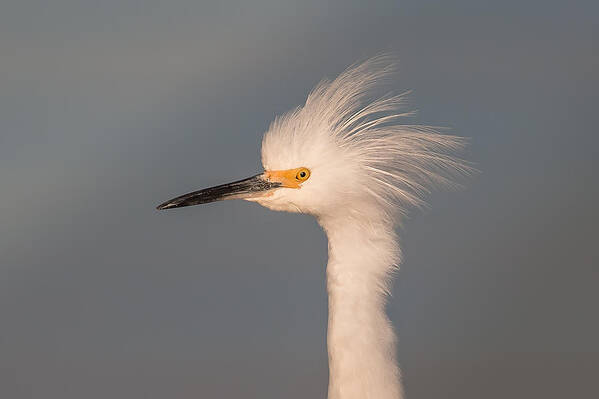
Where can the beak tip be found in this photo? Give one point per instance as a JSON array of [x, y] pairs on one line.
[[164, 206]]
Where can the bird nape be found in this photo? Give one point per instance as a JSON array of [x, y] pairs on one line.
[[346, 158]]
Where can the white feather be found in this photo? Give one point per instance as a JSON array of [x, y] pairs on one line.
[[366, 169], [358, 140]]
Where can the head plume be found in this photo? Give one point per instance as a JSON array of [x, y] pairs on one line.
[[358, 148]]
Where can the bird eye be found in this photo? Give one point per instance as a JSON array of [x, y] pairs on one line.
[[302, 174]]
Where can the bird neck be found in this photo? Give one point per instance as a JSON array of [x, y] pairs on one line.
[[360, 338]]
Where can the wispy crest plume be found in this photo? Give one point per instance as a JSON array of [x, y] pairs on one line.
[[402, 162]]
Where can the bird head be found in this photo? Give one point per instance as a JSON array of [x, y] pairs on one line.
[[344, 152]]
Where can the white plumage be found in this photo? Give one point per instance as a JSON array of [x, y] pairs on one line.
[[364, 170]]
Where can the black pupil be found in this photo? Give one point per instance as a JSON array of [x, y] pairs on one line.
[[302, 174]]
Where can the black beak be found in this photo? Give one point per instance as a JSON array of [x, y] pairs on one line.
[[246, 188]]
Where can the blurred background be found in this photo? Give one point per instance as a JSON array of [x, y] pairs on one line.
[[109, 108]]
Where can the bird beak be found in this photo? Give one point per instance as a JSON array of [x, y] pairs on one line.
[[252, 187]]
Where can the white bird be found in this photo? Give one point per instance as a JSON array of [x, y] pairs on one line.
[[345, 158]]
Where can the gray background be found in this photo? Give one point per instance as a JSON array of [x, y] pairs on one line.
[[108, 108]]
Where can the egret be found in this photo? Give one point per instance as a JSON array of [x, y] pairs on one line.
[[346, 158]]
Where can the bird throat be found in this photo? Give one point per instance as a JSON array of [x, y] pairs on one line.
[[360, 338]]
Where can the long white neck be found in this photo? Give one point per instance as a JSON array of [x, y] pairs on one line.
[[360, 338]]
